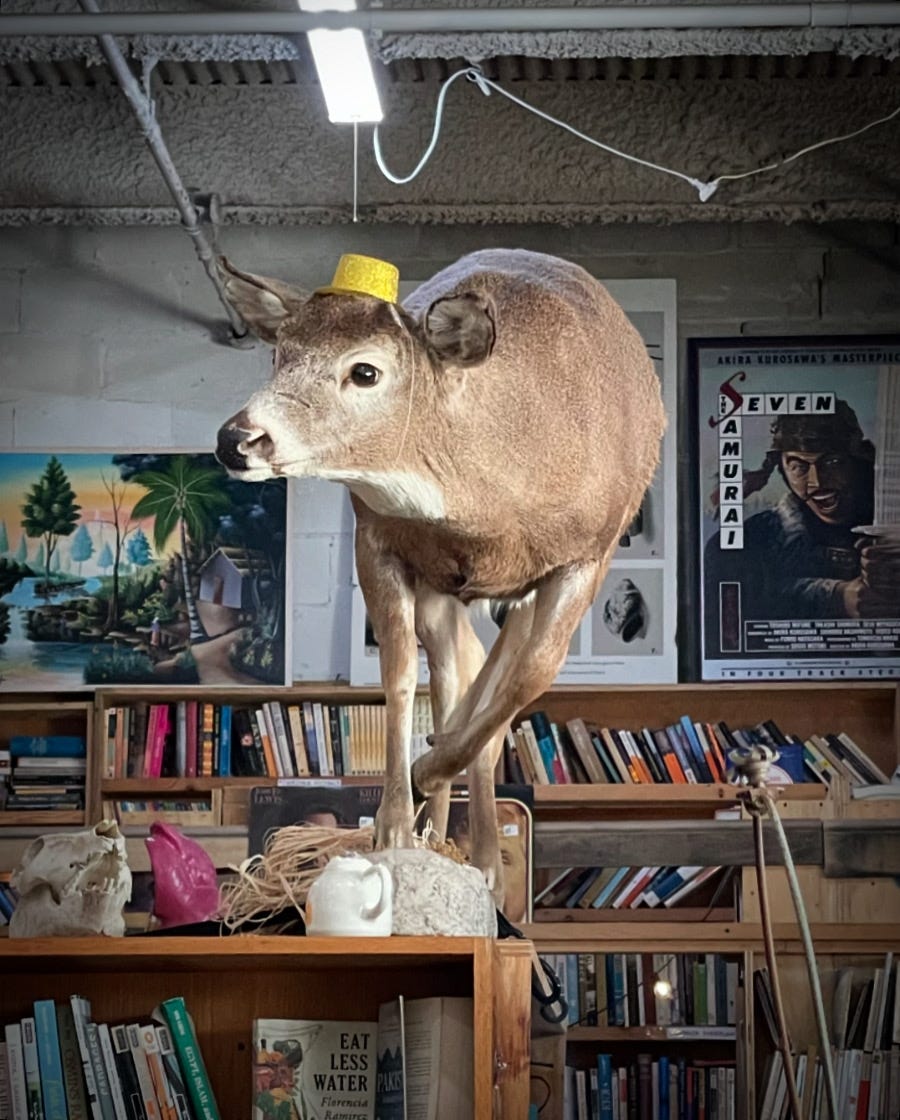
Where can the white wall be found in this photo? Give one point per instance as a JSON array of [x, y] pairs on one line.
[[109, 338]]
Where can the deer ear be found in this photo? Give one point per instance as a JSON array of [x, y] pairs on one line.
[[261, 302], [460, 329]]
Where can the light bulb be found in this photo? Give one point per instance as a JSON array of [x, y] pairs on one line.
[[662, 988]]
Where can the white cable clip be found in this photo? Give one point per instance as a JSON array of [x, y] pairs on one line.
[[705, 190], [476, 76]]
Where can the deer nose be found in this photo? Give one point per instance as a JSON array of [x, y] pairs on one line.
[[228, 447]]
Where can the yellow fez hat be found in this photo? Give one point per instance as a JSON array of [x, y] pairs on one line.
[[364, 275]]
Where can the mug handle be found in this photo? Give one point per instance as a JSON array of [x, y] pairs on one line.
[[378, 908]]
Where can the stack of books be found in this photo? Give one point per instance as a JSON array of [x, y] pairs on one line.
[[47, 773], [9, 896], [57, 1064], [621, 888]]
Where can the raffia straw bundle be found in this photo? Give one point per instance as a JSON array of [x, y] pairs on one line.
[[281, 877]]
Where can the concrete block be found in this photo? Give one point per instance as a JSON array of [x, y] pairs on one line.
[[783, 238], [185, 369], [10, 289], [750, 286], [697, 238], [7, 425], [88, 301], [310, 561], [40, 363], [320, 507], [863, 287], [64, 422], [194, 429]]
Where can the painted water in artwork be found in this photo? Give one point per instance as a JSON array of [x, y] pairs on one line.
[[139, 569]]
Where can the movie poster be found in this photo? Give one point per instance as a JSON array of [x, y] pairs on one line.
[[799, 531]]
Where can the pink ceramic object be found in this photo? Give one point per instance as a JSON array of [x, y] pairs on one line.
[[184, 877]]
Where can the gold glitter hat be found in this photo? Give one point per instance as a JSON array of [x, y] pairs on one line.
[[366, 276]]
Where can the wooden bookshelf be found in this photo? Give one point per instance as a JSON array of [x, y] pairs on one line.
[[42, 714], [228, 982]]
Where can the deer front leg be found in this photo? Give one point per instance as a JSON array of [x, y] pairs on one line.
[[389, 600], [524, 668], [455, 656]]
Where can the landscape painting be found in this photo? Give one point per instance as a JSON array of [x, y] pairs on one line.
[[139, 569]]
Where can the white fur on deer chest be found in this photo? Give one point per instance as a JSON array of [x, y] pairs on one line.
[[394, 493], [435, 895]]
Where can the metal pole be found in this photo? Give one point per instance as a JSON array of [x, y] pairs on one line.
[[143, 109], [404, 21]]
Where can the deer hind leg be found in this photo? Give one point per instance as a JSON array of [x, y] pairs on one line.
[[389, 600], [525, 666], [455, 655]]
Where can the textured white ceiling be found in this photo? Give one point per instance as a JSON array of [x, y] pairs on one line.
[[244, 120]]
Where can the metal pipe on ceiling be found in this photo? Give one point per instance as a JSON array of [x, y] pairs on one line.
[[817, 14], [190, 218]]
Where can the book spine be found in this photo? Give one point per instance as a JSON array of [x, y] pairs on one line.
[[15, 1061], [150, 1045], [32, 1070], [53, 1089], [80, 1013], [190, 739], [101, 1077], [181, 738], [112, 1073], [184, 1039], [131, 1089], [173, 1073], [225, 742], [142, 1069]]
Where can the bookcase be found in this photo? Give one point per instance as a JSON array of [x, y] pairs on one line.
[[860, 916], [228, 982]]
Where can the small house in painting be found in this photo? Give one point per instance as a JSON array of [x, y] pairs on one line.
[[226, 579]]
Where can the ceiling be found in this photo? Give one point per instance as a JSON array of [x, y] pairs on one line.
[[243, 119]]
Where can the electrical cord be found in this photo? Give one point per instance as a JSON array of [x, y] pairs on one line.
[[704, 188], [753, 764]]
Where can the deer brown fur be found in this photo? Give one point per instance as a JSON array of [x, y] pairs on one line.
[[497, 434]]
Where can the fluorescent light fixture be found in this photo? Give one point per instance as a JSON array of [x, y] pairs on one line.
[[344, 68]]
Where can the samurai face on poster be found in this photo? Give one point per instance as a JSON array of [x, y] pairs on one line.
[[799, 488]]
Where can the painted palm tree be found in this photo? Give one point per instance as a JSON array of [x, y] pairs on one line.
[[188, 495]]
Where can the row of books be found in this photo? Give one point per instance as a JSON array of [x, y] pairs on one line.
[[622, 888], [194, 738], [58, 1064], [687, 995], [9, 896], [43, 773], [539, 751], [867, 1084], [651, 1087]]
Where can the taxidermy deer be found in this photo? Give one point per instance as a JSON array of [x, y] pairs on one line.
[[497, 433]]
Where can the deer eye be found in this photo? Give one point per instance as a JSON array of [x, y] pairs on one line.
[[364, 376]]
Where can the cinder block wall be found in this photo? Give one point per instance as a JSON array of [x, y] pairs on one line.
[[112, 338]]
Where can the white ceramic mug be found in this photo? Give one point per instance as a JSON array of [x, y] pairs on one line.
[[351, 898]]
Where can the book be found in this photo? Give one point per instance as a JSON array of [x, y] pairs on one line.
[[81, 1012], [438, 1058], [314, 1067], [173, 1074], [101, 1074], [584, 748], [53, 1089], [32, 1070], [127, 1073], [15, 1064], [174, 1014], [104, 1037], [390, 1079], [57, 746], [146, 1088]]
